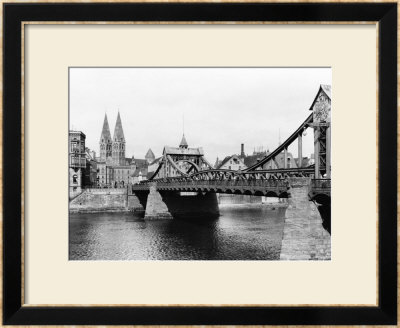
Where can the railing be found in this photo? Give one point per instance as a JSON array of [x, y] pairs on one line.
[[227, 175], [216, 184], [227, 183]]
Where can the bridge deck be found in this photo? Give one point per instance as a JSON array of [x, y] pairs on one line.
[[260, 187]]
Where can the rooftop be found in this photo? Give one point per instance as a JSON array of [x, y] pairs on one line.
[[183, 151]]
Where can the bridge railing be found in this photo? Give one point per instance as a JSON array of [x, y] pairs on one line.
[[216, 183]]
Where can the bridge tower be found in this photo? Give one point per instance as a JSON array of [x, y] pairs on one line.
[[321, 108], [105, 141], [183, 144]]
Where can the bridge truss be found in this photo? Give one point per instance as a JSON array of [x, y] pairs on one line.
[[194, 173]]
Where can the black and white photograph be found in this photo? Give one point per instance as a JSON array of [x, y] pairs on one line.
[[199, 163]]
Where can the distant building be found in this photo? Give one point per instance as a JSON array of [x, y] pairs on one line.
[[233, 162], [77, 162], [277, 163], [153, 166], [139, 175], [149, 156], [306, 161], [243, 161], [90, 179], [217, 163]]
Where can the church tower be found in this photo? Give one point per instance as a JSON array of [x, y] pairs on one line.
[[105, 141], [149, 156], [118, 145]]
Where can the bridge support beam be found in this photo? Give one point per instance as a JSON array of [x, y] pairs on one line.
[[285, 160], [304, 237], [316, 153], [300, 149], [328, 152], [155, 206]]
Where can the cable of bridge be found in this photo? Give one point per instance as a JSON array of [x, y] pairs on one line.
[[284, 145]]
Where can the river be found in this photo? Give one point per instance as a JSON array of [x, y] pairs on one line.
[[239, 233]]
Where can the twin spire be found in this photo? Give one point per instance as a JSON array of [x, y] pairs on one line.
[[105, 137], [113, 149], [118, 131]]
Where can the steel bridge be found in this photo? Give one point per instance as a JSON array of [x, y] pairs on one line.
[[186, 170], [269, 183]]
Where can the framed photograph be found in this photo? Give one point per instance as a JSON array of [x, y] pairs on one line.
[[199, 163]]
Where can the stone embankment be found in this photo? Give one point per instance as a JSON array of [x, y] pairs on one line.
[[104, 200], [304, 237]]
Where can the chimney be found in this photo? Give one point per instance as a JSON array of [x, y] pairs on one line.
[[242, 150]]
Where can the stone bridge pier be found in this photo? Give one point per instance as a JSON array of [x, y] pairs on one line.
[[175, 204], [304, 237]]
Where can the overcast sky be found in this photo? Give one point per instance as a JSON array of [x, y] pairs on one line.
[[222, 107]]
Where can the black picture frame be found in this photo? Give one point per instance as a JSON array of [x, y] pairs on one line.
[[14, 313]]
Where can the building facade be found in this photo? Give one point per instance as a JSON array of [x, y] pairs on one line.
[[77, 162], [233, 162], [90, 179]]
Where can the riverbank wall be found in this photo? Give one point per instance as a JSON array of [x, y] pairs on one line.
[[104, 200]]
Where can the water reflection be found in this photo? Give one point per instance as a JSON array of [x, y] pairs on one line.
[[252, 233]]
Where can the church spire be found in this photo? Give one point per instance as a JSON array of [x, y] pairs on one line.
[[149, 156], [118, 131], [105, 140], [118, 146], [183, 143], [105, 133]]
